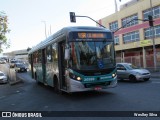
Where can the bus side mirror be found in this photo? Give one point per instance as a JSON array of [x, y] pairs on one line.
[[67, 54]]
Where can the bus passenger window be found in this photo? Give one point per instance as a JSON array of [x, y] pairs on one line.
[[39, 57], [54, 52], [49, 54]]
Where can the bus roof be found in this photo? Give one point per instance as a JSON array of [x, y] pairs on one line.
[[65, 31]]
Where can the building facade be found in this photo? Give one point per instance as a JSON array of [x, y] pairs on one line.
[[134, 41], [18, 54]]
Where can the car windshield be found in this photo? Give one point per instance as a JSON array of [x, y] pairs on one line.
[[131, 67], [20, 65], [90, 55], [13, 61], [1, 74]]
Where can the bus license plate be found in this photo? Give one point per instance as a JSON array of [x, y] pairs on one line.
[[97, 88]]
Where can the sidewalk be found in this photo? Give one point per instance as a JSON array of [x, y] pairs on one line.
[[155, 74]]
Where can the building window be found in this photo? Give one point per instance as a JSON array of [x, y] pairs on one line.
[[128, 19], [131, 37], [157, 31], [148, 32], [116, 40], [113, 26], [156, 12]]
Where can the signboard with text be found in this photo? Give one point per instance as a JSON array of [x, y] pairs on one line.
[[145, 42]]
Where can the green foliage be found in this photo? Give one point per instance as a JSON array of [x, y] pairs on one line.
[[28, 49], [3, 30]]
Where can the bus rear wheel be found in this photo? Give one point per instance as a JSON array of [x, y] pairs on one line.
[[36, 79]]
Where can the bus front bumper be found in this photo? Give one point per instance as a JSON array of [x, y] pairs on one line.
[[77, 86]]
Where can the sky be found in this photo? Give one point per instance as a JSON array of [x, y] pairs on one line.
[[27, 18]]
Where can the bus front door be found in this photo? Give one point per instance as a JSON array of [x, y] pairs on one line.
[[31, 62], [62, 66], [44, 66]]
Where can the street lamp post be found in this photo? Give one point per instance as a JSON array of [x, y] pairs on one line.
[[116, 8], [45, 28], [153, 36]]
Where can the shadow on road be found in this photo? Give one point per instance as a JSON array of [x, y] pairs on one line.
[[79, 95]]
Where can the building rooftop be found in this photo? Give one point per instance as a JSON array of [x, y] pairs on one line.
[[131, 2]]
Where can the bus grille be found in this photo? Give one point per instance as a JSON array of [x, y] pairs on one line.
[[95, 72], [89, 85]]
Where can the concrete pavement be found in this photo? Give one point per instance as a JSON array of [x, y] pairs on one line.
[[155, 74]]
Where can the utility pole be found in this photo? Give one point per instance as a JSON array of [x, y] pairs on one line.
[[45, 28], [116, 8], [153, 36], [50, 30]]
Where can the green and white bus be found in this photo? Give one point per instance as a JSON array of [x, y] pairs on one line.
[[75, 59]]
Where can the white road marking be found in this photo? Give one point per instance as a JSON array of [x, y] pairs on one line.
[[156, 82]]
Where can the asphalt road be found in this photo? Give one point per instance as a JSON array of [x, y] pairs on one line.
[[127, 96]]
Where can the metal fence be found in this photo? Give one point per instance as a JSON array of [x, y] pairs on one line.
[[138, 61]]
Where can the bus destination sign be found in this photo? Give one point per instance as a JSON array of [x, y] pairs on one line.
[[84, 35], [90, 36]]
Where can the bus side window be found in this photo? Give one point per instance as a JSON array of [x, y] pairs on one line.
[[49, 54], [39, 56], [35, 56], [54, 52]]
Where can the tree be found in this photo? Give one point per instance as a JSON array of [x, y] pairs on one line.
[[3, 30], [28, 49]]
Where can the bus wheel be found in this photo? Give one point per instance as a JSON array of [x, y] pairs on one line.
[[56, 85], [36, 79]]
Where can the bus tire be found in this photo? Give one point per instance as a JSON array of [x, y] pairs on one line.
[[56, 84], [35, 77]]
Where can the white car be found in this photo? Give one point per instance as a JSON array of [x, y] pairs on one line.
[[131, 72], [3, 78], [2, 61]]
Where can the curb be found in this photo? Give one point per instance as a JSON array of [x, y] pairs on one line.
[[14, 82], [155, 76]]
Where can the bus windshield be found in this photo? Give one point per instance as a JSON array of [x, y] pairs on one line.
[[91, 55]]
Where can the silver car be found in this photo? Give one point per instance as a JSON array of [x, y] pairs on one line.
[[131, 72], [19, 67], [2, 61], [3, 78]]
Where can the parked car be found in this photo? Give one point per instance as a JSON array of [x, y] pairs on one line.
[[131, 72], [12, 63], [19, 67], [2, 61], [3, 77]]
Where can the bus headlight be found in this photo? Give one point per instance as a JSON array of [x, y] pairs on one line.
[[78, 78], [113, 75], [75, 77]]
